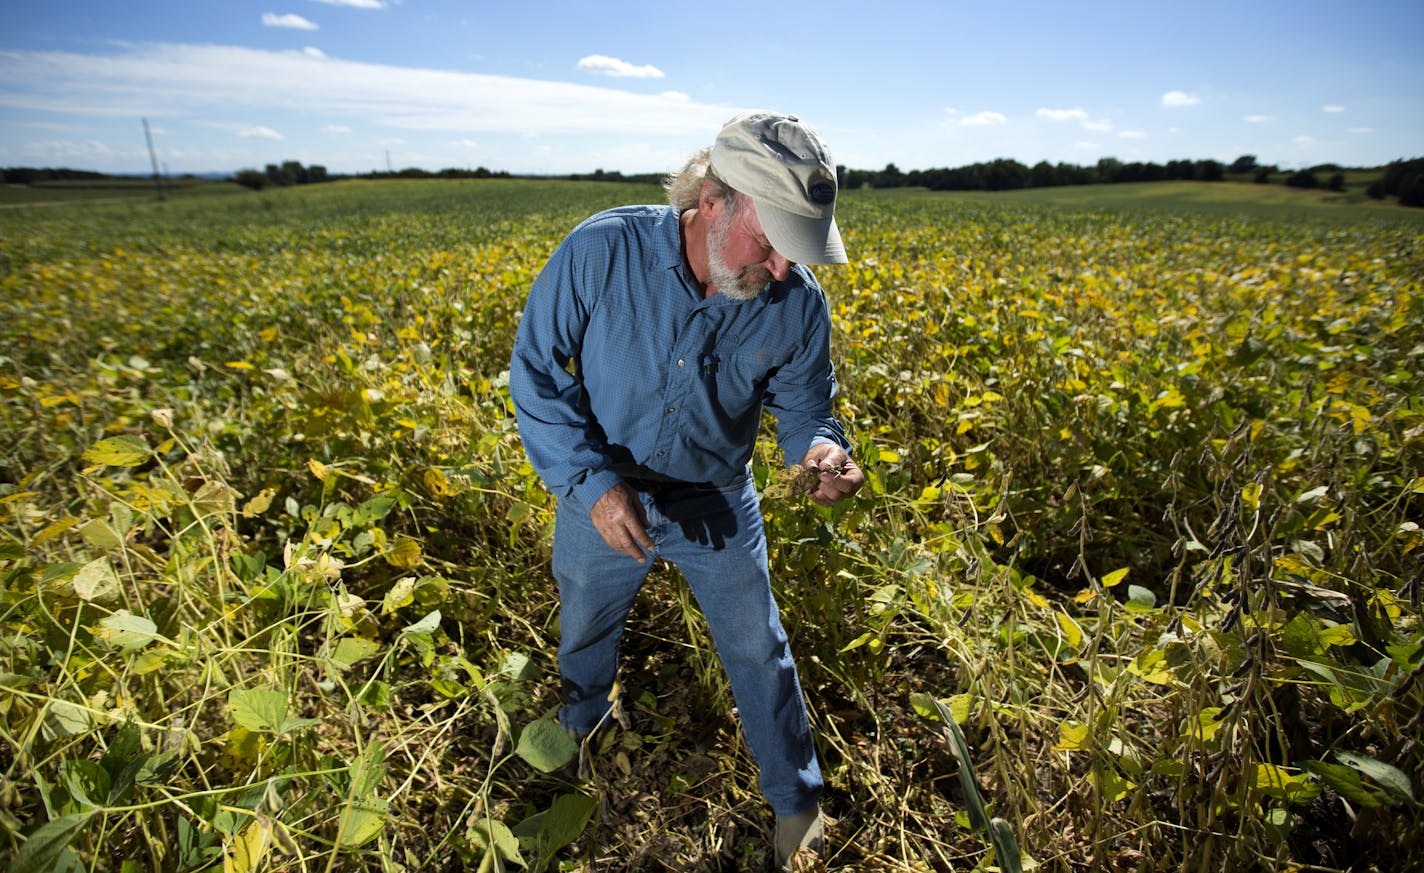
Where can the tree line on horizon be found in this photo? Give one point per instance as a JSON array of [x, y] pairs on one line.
[[1402, 179]]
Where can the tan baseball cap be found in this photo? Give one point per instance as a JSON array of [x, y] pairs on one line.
[[786, 170]]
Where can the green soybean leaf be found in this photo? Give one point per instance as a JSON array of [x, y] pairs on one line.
[[496, 835], [87, 783], [1140, 599], [127, 632], [566, 819], [352, 649], [96, 581], [1393, 780], [264, 710], [426, 625], [258, 709], [364, 815], [546, 745], [1347, 782], [362, 821], [41, 851], [124, 760]]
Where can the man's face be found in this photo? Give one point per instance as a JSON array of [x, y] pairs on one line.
[[740, 258]]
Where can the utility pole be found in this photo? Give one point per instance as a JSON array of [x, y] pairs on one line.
[[153, 158]]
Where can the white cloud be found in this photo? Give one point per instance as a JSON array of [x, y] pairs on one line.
[[356, 4], [290, 20], [1304, 141], [167, 80], [64, 151], [1258, 119], [983, 119], [674, 95], [392, 141], [258, 132], [1102, 125], [1332, 107], [1360, 130], [1074, 114], [1087, 146], [1178, 99], [313, 52], [1133, 134], [337, 129], [619, 69]]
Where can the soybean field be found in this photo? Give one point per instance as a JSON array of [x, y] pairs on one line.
[[1133, 585]]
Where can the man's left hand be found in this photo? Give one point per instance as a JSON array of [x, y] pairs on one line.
[[838, 477]]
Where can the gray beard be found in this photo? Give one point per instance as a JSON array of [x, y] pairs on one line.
[[743, 284]]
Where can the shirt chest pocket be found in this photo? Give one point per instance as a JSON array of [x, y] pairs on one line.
[[737, 379]]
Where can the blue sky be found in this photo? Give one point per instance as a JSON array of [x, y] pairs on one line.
[[557, 87]]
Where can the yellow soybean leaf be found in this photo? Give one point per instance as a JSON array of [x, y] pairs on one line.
[[318, 469], [1072, 737], [402, 594], [405, 553], [1071, 632], [119, 451], [248, 849], [1151, 665], [259, 504], [437, 483], [1115, 577], [1112, 786], [54, 529], [1208, 723], [1338, 635]]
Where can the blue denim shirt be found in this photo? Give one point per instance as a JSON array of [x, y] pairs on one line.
[[621, 369]]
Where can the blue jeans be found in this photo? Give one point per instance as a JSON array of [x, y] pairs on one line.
[[714, 537]]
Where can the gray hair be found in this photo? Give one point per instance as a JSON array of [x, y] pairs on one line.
[[684, 188]]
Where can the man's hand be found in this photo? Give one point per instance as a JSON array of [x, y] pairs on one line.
[[618, 516], [838, 477]]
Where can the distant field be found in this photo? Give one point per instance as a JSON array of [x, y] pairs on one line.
[[1263, 201], [106, 189], [1273, 200]]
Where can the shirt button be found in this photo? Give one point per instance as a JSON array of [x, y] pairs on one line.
[[671, 410], [681, 362], [660, 454]]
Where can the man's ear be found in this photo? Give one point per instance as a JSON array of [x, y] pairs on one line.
[[709, 199]]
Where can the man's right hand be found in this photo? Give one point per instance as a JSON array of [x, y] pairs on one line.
[[619, 518]]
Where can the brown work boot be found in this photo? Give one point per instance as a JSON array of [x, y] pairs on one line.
[[800, 841]]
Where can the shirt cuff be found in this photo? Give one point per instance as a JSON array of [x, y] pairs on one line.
[[594, 486], [819, 441]]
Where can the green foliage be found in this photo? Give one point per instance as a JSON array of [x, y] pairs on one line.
[[1142, 516], [249, 178]]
